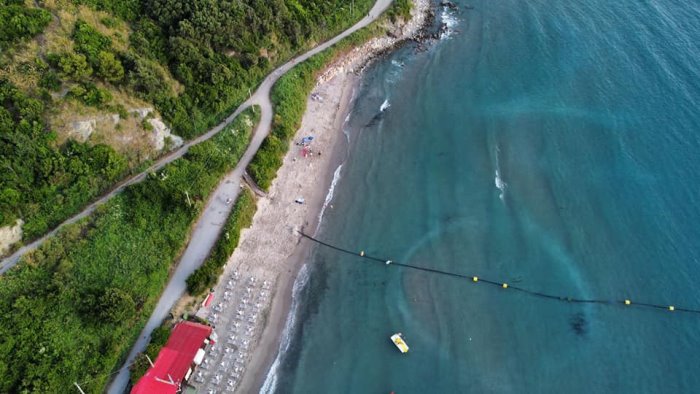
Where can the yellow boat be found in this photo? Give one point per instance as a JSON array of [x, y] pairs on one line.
[[399, 342]]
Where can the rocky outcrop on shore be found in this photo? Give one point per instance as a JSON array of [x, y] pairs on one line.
[[397, 34]]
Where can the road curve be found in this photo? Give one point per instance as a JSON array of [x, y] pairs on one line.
[[261, 97], [215, 213]]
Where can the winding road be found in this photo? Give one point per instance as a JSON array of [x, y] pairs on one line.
[[261, 97], [215, 213]]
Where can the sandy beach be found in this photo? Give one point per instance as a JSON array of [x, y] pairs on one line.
[[270, 251]]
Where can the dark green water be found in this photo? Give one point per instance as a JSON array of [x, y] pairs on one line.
[[549, 144]]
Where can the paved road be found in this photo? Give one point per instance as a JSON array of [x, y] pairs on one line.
[[209, 224], [261, 97]]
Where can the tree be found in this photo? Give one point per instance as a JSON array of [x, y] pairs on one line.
[[89, 41], [17, 22], [146, 80], [90, 94], [50, 81], [115, 305], [108, 67], [74, 66], [9, 199]]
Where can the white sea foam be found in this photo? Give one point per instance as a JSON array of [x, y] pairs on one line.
[[393, 74], [385, 105], [397, 63], [270, 384], [500, 184], [347, 117], [346, 132], [344, 128], [449, 21], [329, 196]]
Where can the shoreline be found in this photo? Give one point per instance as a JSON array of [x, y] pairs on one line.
[[271, 336], [270, 250]]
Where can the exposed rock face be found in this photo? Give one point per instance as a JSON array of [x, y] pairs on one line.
[[141, 112], [10, 235], [82, 129], [399, 32], [161, 132]]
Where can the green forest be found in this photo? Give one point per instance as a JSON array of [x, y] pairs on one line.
[[216, 51], [40, 182], [220, 49], [78, 302]]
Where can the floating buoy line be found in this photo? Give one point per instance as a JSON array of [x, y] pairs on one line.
[[474, 279]]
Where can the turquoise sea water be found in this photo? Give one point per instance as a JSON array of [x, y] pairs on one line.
[[550, 144]]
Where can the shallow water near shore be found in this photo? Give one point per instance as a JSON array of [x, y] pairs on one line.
[[552, 145]]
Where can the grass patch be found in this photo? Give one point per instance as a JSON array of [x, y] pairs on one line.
[[400, 9]]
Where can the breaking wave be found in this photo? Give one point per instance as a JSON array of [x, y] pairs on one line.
[[385, 105], [270, 384], [329, 195]]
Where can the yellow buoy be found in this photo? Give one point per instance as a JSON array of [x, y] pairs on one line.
[[475, 279], [628, 302], [505, 285], [362, 253], [671, 308]]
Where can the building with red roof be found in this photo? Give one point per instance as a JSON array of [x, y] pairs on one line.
[[173, 366]]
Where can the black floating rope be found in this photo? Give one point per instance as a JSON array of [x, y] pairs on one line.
[[502, 285]]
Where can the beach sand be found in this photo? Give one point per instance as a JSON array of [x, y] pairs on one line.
[[271, 249]]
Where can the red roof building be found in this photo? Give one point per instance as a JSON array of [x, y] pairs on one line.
[[175, 359]]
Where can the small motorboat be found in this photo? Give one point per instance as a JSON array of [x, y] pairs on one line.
[[399, 342]]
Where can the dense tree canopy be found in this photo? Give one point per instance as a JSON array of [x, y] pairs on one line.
[[41, 183], [220, 49], [18, 22], [216, 50]]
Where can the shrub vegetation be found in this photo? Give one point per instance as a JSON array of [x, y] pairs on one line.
[[18, 22], [80, 300], [400, 9], [39, 182], [216, 51]]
